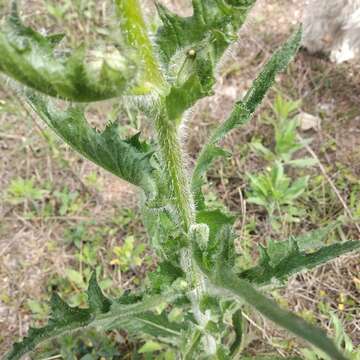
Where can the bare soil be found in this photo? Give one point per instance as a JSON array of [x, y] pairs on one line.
[[32, 248]]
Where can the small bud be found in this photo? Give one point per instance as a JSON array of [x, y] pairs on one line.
[[191, 53], [180, 285], [199, 234]]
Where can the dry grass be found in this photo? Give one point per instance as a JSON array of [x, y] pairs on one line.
[[32, 250]]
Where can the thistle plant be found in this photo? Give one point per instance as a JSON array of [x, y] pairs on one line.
[[163, 75]]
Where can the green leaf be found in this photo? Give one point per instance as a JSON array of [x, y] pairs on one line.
[[289, 321], [149, 347], [262, 150], [165, 235], [215, 220], [278, 176], [31, 58], [63, 319], [210, 153], [243, 109], [257, 201], [192, 344], [260, 185], [291, 261], [237, 321], [342, 340], [285, 137], [75, 277], [98, 302], [315, 239], [278, 250], [213, 22], [284, 108], [185, 94], [254, 97], [297, 188], [220, 249], [225, 280], [190, 48], [165, 274], [102, 313], [157, 326], [278, 62], [127, 159], [302, 163]]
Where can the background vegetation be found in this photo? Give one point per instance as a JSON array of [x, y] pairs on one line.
[[55, 228]]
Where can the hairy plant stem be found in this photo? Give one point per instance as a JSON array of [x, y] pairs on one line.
[[135, 33], [173, 157], [172, 154]]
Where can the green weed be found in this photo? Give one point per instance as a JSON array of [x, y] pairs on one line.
[[192, 304]]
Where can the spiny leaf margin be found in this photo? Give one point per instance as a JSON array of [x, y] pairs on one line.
[[190, 48], [32, 59], [127, 159], [296, 261], [65, 319], [242, 112], [225, 280]]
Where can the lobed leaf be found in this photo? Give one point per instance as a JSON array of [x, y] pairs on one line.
[[285, 261], [32, 59], [215, 22], [243, 109], [190, 48], [227, 281], [274, 271], [281, 259], [127, 159], [103, 313]]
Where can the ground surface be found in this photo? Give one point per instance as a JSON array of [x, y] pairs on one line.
[[60, 217]]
